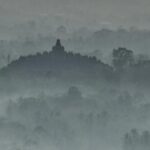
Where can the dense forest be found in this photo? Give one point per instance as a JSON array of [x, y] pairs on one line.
[[65, 100]]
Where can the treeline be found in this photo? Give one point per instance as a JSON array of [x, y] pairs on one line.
[[136, 141]]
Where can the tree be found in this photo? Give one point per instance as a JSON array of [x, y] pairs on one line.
[[146, 138], [74, 93], [127, 142], [136, 141], [122, 58]]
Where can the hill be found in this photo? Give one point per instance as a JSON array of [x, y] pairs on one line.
[[57, 63]]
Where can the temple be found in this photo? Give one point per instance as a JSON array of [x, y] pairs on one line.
[[58, 48]]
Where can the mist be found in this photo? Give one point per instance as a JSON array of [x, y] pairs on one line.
[[60, 99], [74, 75]]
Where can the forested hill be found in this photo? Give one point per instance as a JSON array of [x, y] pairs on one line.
[[58, 63]]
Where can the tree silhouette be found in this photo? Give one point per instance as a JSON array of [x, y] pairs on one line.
[[136, 141], [74, 92], [122, 58]]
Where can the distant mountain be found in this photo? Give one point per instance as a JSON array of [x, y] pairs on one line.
[[57, 63]]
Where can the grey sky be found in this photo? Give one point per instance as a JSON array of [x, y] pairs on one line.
[[111, 13]]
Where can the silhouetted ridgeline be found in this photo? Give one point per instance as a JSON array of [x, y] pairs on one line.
[[58, 63]]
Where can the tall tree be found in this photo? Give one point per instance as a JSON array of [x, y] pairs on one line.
[[122, 58]]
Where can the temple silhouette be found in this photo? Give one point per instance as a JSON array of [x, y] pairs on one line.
[[58, 48], [57, 62]]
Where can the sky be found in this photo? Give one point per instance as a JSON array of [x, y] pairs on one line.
[[79, 13]]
